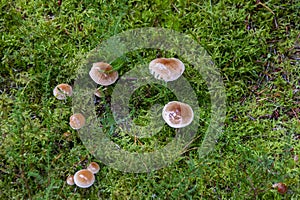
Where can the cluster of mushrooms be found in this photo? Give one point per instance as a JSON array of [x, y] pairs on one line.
[[84, 178], [176, 114]]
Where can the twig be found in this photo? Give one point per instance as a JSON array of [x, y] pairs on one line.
[[264, 5]]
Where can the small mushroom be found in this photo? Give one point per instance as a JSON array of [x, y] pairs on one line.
[[62, 90], [70, 180], [102, 74], [84, 178], [167, 69], [177, 114], [93, 167], [281, 187], [77, 121]]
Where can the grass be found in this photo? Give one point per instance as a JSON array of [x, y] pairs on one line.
[[254, 45]]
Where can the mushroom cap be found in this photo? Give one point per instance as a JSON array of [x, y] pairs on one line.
[[77, 121], [281, 187], [93, 167], [62, 90], [167, 69], [101, 73], [70, 180], [177, 114], [84, 178]]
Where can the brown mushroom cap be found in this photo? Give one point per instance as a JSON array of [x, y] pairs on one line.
[[77, 121], [167, 69], [84, 178], [101, 73], [281, 187], [93, 167], [70, 180], [177, 114], [62, 90]]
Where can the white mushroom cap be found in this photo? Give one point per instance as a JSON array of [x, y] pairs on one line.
[[167, 69], [77, 121], [177, 114], [62, 90], [84, 178], [93, 167], [101, 73], [70, 180]]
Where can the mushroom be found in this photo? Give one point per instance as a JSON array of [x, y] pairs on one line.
[[62, 90], [281, 187], [167, 69], [77, 121], [93, 167], [177, 114], [84, 178], [102, 74], [70, 180]]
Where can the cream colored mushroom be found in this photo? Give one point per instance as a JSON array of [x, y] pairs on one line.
[[177, 114], [84, 178], [77, 121], [70, 180], [93, 167], [62, 90], [102, 74], [167, 69]]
